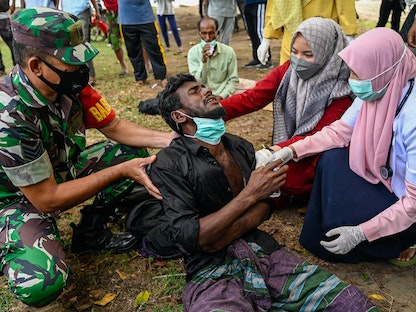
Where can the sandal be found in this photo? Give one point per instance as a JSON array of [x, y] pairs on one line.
[[405, 263], [123, 74]]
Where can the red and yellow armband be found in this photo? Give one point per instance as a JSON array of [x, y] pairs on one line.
[[98, 113]]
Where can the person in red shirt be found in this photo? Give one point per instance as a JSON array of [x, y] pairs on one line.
[[308, 92]]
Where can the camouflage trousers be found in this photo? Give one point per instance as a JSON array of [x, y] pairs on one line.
[[31, 253], [114, 31]]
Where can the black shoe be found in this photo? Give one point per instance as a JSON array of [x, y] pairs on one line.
[[101, 240], [265, 66], [92, 234], [252, 63]]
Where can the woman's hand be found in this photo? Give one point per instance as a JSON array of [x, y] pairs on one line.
[[349, 237]]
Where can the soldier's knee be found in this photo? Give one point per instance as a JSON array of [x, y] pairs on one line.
[[37, 281], [38, 290]]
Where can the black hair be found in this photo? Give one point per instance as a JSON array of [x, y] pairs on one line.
[[169, 100], [23, 52]]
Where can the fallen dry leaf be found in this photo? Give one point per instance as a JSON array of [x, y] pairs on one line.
[[106, 299], [122, 275], [377, 297]]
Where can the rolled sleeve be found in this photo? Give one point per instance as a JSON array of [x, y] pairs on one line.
[[30, 173]]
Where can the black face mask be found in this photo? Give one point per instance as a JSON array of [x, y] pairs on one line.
[[71, 82]]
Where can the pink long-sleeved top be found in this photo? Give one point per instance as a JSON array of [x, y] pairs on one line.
[[402, 214]]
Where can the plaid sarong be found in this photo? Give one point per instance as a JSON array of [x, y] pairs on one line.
[[249, 280]]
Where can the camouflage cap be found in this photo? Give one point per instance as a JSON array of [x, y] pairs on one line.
[[56, 32]]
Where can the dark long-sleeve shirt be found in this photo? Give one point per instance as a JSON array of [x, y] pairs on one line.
[[193, 185]]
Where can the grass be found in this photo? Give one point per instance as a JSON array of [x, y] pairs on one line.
[[6, 297], [169, 281]]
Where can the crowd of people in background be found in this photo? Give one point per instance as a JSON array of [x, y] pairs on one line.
[[261, 21], [342, 143]]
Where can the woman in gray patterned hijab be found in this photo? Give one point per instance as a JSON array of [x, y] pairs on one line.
[[309, 87], [308, 92]]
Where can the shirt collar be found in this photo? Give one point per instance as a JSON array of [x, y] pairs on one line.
[[194, 146], [219, 47]]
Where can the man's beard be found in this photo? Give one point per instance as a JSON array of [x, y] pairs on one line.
[[216, 113]]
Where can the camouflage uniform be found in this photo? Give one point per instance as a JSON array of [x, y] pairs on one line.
[[37, 139]]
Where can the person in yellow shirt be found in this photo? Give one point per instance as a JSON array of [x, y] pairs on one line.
[[283, 16]]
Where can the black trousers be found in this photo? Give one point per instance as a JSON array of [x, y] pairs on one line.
[[408, 23], [387, 6], [144, 35], [255, 15]]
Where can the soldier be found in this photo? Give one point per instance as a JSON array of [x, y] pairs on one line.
[[46, 167]]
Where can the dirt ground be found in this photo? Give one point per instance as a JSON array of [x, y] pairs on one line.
[[96, 274]]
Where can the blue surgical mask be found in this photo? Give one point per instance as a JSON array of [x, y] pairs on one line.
[[363, 89], [207, 130], [304, 69]]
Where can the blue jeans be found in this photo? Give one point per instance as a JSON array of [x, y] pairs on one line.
[[163, 28]]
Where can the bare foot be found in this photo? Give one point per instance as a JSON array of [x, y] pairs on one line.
[[140, 83], [271, 230], [407, 254], [163, 82]]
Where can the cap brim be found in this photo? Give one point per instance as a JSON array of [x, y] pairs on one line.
[[78, 55]]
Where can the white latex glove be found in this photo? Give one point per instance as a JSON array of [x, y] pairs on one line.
[[263, 157], [266, 156], [349, 237], [263, 51], [285, 154]]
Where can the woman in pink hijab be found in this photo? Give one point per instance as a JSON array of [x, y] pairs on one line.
[[363, 201]]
